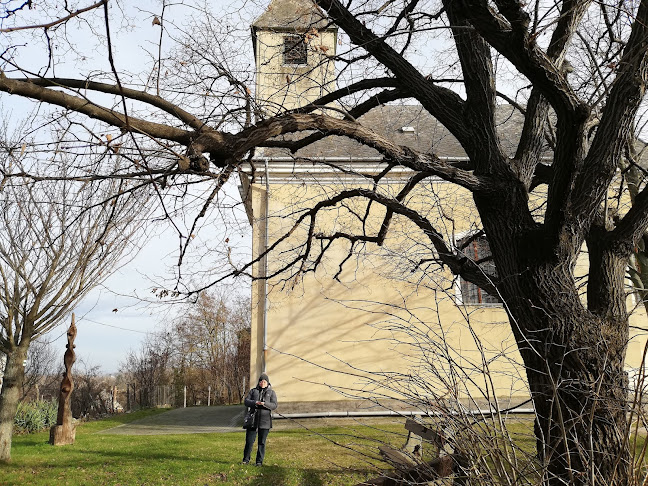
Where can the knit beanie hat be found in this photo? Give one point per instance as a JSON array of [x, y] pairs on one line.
[[264, 377]]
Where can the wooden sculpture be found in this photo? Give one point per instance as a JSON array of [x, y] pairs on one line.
[[64, 431]]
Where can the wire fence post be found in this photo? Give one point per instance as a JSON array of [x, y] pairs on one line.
[[185, 396], [209, 395]]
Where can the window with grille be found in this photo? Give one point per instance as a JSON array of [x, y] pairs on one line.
[[294, 51], [477, 249]]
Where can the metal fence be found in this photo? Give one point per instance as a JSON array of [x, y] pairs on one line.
[[155, 396], [175, 396]]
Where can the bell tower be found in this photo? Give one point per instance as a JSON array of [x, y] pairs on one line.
[[294, 45]]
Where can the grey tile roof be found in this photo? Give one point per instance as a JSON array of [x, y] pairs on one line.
[[428, 134]]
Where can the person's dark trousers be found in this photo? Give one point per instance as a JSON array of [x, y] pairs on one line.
[[263, 435], [250, 436]]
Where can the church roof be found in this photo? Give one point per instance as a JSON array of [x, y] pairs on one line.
[[408, 125], [292, 15]]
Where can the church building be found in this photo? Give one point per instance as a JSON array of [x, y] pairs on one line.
[[372, 324]]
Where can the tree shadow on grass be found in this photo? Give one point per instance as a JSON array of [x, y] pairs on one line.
[[169, 457], [30, 440], [281, 476], [311, 478]]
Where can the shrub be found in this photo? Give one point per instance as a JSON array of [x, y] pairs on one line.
[[35, 416]]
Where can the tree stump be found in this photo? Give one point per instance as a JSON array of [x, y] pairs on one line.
[[64, 431]]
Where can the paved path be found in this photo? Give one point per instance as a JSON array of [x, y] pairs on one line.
[[191, 420]]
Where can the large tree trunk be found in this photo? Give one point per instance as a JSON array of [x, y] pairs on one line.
[[579, 393], [573, 353], [574, 357], [10, 396], [574, 361]]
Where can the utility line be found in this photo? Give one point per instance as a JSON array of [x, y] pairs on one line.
[[110, 325]]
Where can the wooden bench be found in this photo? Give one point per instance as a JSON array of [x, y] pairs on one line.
[[408, 462]]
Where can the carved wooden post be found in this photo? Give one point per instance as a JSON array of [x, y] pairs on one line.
[[64, 431]]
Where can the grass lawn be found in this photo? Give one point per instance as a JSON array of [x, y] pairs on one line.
[[314, 453], [295, 456]]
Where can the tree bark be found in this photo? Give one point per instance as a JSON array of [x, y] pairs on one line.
[[10, 396], [573, 354], [579, 392]]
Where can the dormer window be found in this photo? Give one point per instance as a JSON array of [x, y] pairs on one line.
[[294, 50]]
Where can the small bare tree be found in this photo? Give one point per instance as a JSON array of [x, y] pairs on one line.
[[213, 336], [42, 361], [58, 240], [149, 366], [208, 344]]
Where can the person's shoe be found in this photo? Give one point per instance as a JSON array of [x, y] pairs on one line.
[[259, 464], [245, 461]]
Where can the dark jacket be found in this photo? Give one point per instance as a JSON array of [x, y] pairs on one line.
[[263, 419]]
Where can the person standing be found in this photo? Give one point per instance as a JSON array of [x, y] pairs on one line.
[[263, 399]]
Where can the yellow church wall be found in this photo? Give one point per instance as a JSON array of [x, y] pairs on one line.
[[257, 199], [331, 339], [350, 335], [345, 343]]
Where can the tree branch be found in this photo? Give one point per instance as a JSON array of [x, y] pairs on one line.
[[153, 100], [76, 103], [404, 156], [457, 262], [530, 146], [444, 104], [357, 112], [54, 22], [479, 113], [614, 130], [521, 49], [338, 94], [630, 229]]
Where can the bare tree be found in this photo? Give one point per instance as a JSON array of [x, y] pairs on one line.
[[207, 345], [42, 362], [573, 351], [150, 366], [57, 242], [213, 340], [91, 391]]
